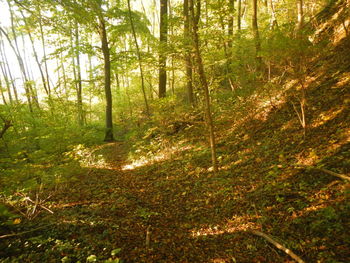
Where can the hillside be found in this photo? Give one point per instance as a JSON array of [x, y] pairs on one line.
[[154, 197]]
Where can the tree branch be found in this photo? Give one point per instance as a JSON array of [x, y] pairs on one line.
[[342, 176], [278, 245]]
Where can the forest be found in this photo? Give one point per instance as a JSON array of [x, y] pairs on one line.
[[175, 131]]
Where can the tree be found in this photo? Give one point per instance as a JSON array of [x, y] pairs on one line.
[[93, 14], [139, 59], [209, 120], [163, 38], [256, 34], [188, 53], [300, 22]]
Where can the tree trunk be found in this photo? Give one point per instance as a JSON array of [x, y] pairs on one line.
[[163, 29], [188, 54], [300, 15], [256, 35], [203, 80], [2, 94], [7, 72], [44, 54], [107, 79], [27, 87], [35, 54], [230, 26], [4, 74], [273, 23], [139, 60], [79, 85], [239, 13]]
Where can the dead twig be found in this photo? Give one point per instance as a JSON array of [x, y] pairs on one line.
[[278, 245], [37, 203], [302, 166]]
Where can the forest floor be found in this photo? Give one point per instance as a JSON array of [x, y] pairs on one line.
[[174, 209], [164, 204]]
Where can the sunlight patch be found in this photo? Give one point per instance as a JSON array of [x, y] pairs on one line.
[[161, 155], [236, 224]]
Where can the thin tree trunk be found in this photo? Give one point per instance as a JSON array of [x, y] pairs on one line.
[[44, 54], [30, 91], [139, 59], [35, 55], [171, 29], [3, 96], [256, 35], [22, 68], [107, 80], [64, 74], [300, 6], [7, 72], [4, 74], [163, 31], [188, 54], [203, 80], [78, 80], [239, 13], [230, 27], [273, 23]]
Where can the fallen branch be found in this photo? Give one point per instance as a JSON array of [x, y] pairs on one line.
[[342, 176], [278, 245], [25, 232]]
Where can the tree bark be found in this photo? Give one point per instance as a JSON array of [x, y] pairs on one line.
[[203, 80], [256, 35], [300, 22], [239, 13], [107, 79], [163, 38], [188, 54], [79, 85]]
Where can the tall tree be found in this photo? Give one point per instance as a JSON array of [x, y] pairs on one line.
[[35, 53], [79, 86], [188, 53], [107, 78], [256, 34], [203, 79], [163, 38], [139, 59], [239, 14]]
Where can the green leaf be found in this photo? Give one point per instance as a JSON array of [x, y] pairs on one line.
[[91, 258], [115, 251]]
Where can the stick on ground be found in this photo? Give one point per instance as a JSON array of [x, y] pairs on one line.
[[342, 176], [278, 245]]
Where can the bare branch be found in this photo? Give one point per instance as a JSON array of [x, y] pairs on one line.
[[342, 176], [278, 245]]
